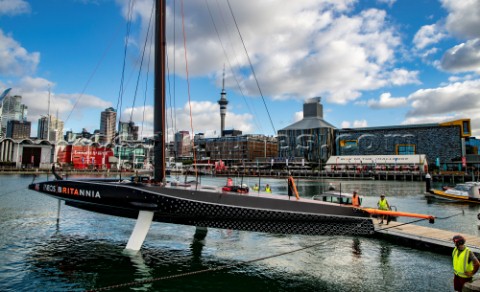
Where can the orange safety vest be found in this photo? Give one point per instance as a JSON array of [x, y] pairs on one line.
[[355, 201]]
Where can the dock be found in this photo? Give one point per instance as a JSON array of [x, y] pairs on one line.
[[428, 238]]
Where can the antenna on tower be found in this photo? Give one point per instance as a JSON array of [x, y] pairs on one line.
[[223, 81]]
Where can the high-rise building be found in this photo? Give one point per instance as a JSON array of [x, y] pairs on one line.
[[12, 109], [107, 125], [128, 130], [183, 145], [52, 133]]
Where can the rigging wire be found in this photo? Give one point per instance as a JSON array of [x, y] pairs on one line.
[[188, 86], [90, 78], [255, 115], [122, 79], [170, 86], [173, 105], [146, 84], [251, 67], [141, 65], [258, 125]]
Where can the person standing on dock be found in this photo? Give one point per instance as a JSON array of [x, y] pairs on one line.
[[355, 200], [465, 263], [384, 206], [268, 189]]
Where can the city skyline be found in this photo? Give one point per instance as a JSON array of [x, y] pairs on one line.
[[374, 63]]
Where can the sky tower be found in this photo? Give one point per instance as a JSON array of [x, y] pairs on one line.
[[223, 105]]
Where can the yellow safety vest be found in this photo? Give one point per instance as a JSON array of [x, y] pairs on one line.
[[460, 262], [382, 204], [268, 190], [255, 188]]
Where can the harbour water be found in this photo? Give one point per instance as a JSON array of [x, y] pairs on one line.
[[85, 250]]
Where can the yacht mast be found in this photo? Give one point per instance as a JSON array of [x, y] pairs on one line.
[[159, 91]]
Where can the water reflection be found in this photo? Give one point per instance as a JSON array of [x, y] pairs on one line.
[[356, 248], [75, 262], [87, 251], [198, 243], [385, 250]]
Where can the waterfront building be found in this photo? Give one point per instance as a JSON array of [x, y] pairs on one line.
[[85, 154], [236, 150], [182, 145], [108, 120], [311, 138], [442, 143], [18, 129], [368, 164], [127, 131], [25, 153], [70, 136]]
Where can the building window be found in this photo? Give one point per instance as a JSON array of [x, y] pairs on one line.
[[403, 149], [466, 128], [348, 143]]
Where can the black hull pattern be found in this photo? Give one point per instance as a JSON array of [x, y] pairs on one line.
[[208, 208]]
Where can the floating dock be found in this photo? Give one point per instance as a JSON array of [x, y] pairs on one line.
[[431, 239], [426, 238]]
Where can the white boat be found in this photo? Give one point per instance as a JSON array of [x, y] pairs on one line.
[[468, 192]]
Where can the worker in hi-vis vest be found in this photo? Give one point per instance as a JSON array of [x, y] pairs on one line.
[[465, 263]]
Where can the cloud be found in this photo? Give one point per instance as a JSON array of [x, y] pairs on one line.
[[457, 100], [36, 92], [306, 48], [401, 76], [388, 2], [463, 19], [428, 35], [14, 59], [297, 116], [355, 124], [205, 119], [14, 7], [463, 57], [455, 97], [387, 101]]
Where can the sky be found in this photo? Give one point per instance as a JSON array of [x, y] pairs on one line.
[[373, 62]]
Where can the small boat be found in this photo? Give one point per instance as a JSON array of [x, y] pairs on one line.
[[468, 192], [243, 189], [336, 197], [230, 187]]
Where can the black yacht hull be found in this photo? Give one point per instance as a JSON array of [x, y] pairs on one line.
[[207, 208]]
